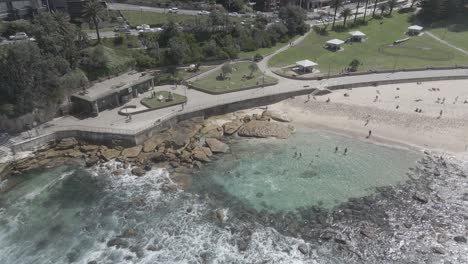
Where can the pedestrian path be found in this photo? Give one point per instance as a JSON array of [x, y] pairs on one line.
[[446, 43]]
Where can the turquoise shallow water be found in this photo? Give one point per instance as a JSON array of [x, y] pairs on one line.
[[267, 173]]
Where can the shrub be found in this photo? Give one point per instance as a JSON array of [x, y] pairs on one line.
[[258, 57], [322, 31], [353, 65]]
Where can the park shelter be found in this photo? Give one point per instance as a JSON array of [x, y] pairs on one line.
[[334, 44], [414, 30], [111, 93], [357, 35], [306, 65]]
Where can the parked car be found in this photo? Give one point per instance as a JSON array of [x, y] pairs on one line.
[[173, 10], [203, 12], [19, 36]]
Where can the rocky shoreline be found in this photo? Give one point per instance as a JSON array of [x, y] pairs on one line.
[[181, 148]]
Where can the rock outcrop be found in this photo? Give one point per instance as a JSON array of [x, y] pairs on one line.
[[217, 146], [66, 143], [264, 129], [277, 116], [132, 152], [212, 131], [231, 127]]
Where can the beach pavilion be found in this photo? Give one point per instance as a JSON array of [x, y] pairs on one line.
[[334, 44], [414, 30], [357, 35], [306, 65]]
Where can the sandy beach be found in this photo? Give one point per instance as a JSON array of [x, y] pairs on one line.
[[389, 112]]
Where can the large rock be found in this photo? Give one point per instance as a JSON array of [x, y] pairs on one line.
[[277, 116], [200, 155], [212, 131], [217, 146], [91, 161], [131, 152], [89, 148], [264, 129], [232, 127], [110, 154], [137, 171], [67, 143], [183, 180]]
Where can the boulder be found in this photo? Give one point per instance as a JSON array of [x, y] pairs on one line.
[[184, 181], [89, 148], [212, 131], [157, 157], [438, 250], [200, 155], [137, 171], [151, 144], [303, 248], [91, 161], [110, 154], [460, 239], [66, 143], [131, 152], [154, 247], [264, 129], [217, 146], [129, 232], [207, 151], [420, 198], [277, 116], [118, 243], [72, 153], [220, 215], [232, 127]]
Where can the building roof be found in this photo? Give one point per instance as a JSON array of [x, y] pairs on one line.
[[113, 85], [335, 42], [306, 63], [415, 27], [357, 33]]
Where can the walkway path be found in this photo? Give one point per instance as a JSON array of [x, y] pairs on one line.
[[445, 42]]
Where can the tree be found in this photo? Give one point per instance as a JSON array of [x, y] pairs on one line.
[[357, 8], [412, 4], [226, 69], [365, 9], [382, 8], [93, 11], [391, 5], [54, 34], [335, 4], [294, 18], [345, 14], [253, 67], [375, 7]]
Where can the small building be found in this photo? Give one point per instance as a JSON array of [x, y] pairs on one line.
[[357, 36], [334, 44], [414, 30], [306, 65], [111, 93]]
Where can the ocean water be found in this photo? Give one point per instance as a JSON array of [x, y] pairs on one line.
[[68, 214]]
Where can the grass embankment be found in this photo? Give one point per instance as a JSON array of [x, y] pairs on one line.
[[155, 103], [265, 51], [376, 53], [114, 63], [214, 85]]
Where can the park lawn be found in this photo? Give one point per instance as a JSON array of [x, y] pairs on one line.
[[154, 103], [459, 39], [265, 51], [376, 53], [211, 84]]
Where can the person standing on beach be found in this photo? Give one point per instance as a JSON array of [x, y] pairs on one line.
[[345, 151], [336, 149], [370, 133]]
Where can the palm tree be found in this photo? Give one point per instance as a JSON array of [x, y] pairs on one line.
[[365, 9], [335, 4], [93, 10], [357, 8], [391, 5], [345, 14], [382, 9], [375, 7]]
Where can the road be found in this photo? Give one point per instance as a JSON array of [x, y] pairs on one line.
[[149, 9]]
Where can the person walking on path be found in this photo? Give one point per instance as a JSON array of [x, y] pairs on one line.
[[345, 151], [370, 133], [336, 149]]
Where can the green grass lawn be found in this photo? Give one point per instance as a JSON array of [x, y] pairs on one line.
[[155, 103], [211, 84], [264, 51], [459, 39], [376, 53]]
